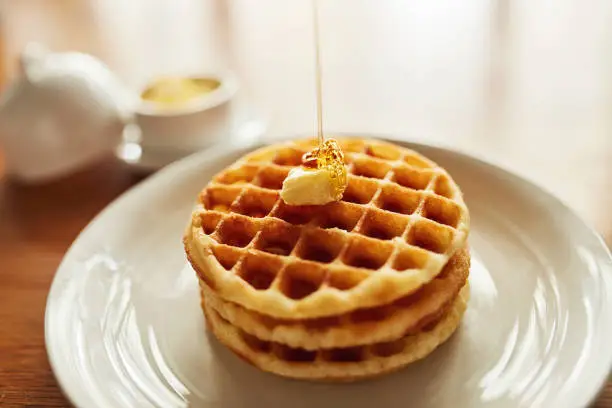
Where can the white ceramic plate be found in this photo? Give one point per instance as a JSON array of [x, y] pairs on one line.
[[124, 327]]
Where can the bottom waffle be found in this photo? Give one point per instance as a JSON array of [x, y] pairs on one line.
[[340, 364]]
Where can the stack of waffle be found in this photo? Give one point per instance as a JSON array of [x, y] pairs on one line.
[[339, 292]]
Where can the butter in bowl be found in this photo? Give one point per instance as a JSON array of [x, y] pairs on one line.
[[185, 113]]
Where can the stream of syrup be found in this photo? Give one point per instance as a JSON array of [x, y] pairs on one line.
[[328, 154], [318, 79]]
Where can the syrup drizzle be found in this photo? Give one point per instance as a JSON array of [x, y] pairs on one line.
[[318, 79], [328, 154]]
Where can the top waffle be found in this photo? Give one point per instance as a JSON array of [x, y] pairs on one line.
[[401, 218]]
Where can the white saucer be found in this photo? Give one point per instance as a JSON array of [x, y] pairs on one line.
[[141, 159], [124, 327]]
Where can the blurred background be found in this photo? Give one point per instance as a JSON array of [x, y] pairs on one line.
[[526, 84]]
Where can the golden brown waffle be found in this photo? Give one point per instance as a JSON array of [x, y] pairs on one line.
[[406, 315], [339, 364], [401, 219]]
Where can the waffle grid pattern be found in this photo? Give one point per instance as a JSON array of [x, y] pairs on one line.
[[408, 314], [400, 213]]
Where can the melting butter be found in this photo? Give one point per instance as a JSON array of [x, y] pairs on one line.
[[175, 91], [321, 184]]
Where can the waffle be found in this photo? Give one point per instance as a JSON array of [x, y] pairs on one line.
[[407, 315], [401, 219], [338, 364]]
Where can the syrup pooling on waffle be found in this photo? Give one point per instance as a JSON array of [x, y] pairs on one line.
[[362, 326], [400, 219], [328, 156], [320, 180]]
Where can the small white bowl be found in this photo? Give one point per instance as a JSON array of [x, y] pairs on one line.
[[192, 126]]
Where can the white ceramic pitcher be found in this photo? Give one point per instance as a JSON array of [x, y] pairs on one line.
[[65, 111]]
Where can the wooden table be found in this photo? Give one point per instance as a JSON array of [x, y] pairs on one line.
[[521, 83]]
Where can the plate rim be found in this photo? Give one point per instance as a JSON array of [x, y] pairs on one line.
[[588, 393]]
